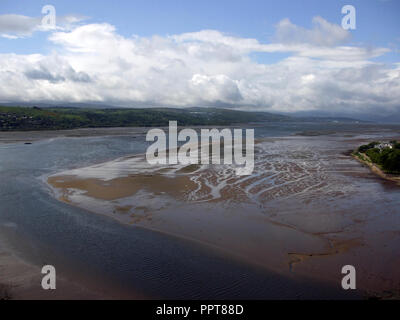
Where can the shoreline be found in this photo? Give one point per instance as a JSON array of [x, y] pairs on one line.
[[375, 168], [9, 137]]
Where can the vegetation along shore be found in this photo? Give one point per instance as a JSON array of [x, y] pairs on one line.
[[382, 157]]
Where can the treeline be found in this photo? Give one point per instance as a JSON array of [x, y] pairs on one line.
[[387, 156], [24, 118]]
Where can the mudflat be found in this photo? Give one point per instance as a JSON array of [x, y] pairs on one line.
[[308, 208]]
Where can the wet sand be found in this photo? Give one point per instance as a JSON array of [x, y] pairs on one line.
[[307, 210]]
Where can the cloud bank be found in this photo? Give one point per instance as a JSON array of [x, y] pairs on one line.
[[93, 63]]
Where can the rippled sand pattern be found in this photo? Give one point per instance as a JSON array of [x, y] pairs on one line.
[[280, 171]]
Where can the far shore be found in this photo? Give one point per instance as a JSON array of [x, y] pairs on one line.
[[32, 136], [29, 137]]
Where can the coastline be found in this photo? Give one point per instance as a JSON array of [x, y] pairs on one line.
[[375, 168]]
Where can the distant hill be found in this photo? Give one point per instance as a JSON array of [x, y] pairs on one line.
[[55, 118]]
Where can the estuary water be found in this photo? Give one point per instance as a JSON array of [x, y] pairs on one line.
[[99, 252]]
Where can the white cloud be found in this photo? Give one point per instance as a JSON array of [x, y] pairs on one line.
[[323, 33], [94, 63], [218, 88], [14, 26]]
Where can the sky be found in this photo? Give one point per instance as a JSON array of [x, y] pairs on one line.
[[277, 56]]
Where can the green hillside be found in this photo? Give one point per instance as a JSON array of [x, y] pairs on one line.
[[54, 118]]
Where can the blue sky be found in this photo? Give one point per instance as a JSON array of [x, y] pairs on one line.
[[135, 22], [378, 21]]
